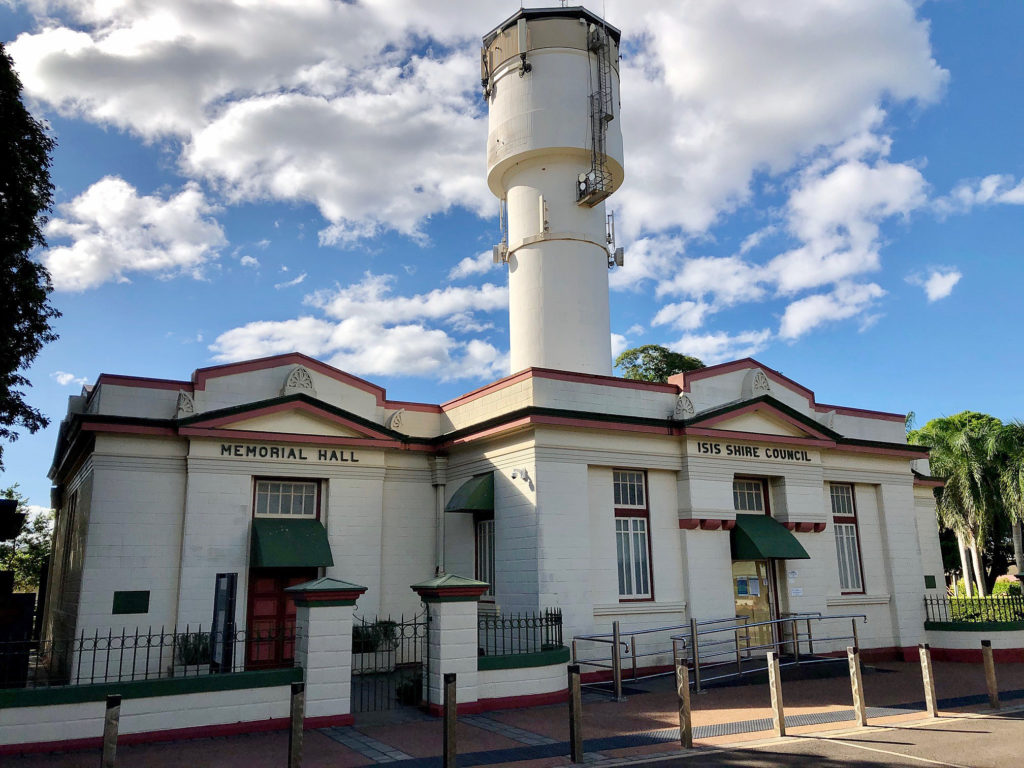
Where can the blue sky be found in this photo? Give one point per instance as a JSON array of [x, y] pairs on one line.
[[834, 188]]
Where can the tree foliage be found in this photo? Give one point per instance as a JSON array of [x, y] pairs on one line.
[[27, 554], [26, 194], [652, 362], [971, 501]]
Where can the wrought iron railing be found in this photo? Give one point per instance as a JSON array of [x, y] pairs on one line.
[[974, 610], [516, 633], [126, 655]]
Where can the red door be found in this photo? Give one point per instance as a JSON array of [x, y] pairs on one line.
[[270, 640]]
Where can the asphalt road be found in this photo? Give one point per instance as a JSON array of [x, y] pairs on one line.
[[977, 741]]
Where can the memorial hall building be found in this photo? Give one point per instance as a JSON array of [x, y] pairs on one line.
[[727, 490]]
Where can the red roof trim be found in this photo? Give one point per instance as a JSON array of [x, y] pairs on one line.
[[683, 381], [556, 375], [143, 382], [202, 375], [930, 482], [127, 429], [291, 437]]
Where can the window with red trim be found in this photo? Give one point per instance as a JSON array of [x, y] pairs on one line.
[[632, 535], [844, 523]]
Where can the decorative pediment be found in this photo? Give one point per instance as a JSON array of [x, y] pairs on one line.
[[755, 384], [293, 422], [294, 416], [395, 420], [299, 380], [684, 408], [763, 416], [762, 423], [186, 406]]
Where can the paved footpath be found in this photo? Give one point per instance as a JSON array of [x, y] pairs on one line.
[[645, 727]]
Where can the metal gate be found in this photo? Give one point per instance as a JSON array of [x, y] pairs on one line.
[[389, 662]]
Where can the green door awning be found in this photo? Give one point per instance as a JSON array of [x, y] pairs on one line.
[[760, 537], [474, 495], [278, 542]]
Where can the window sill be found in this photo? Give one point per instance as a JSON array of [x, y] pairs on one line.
[[858, 600], [637, 607]]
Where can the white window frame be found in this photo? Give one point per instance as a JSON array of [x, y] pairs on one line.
[[632, 554], [632, 535], [485, 559], [744, 488], [269, 493], [843, 501], [629, 487]]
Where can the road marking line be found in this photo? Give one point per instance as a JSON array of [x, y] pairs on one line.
[[896, 754]]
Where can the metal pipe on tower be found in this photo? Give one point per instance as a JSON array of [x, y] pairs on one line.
[[554, 153]]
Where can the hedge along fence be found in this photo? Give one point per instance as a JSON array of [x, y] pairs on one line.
[[971, 613], [152, 710]]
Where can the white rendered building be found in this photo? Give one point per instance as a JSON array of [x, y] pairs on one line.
[[726, 490], [608, 498]]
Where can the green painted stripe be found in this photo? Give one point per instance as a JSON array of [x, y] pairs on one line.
[[558, 655], [975, 626], [140, 689]]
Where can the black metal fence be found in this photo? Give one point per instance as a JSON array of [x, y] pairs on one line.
[[388, 662], [974, 609], [519, 633], [142, 655]]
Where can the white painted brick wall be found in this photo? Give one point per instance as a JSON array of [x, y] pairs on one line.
[[28, 725]]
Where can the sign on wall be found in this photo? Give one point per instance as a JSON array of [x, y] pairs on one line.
[[288, 453], [713, 448]]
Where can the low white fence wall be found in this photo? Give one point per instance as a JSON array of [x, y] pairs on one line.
[[47, 718]]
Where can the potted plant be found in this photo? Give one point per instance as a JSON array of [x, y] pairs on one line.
[[191, 654], [374, 646]]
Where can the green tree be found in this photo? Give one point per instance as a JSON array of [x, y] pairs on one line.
[[1007, 450], [26, 194], [971, 499], [28, 552], [652, 362]]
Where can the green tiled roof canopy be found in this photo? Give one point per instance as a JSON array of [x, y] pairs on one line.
[[278, 542], [474, 495], [760, 537]]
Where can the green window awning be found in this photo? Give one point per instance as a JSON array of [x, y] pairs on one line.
[[278, 542], [760, 537], [474, 495]]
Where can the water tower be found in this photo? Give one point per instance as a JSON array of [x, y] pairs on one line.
[[554, 153]]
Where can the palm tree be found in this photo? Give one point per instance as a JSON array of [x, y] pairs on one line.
[[1007, 450], [969, 501]]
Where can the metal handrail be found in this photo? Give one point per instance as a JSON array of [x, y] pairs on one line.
[[792, 619]]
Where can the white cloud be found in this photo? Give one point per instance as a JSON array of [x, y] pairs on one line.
[[280, 99], [991, 190], [836, 212], [116, 232], [847, 300], [369, 330], [249, 261], [473, 265], [290, 283], [938, 283], [720, 346], [64, 378], [720, 90], [619, 344], [372, 298]]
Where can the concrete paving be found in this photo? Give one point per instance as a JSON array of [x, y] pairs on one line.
[[645, 727]]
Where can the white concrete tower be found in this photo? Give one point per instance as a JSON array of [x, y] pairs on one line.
[[554, 153]]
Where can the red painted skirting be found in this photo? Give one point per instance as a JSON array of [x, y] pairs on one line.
[[176, 734], [503, 702]]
